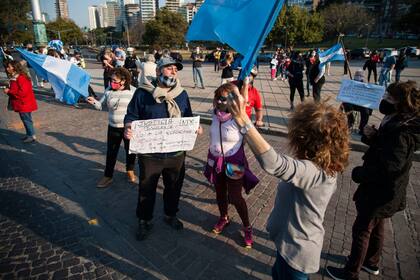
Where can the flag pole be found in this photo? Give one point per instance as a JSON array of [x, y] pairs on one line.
[[340, 40]]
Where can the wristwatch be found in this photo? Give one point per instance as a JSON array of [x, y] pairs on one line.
[[244, 129]]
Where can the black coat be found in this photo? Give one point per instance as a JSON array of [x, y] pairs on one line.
[[384, 176]]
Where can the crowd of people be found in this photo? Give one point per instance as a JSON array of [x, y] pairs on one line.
[[318, 137]]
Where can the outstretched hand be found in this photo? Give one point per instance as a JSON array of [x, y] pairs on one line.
[[236, 106]]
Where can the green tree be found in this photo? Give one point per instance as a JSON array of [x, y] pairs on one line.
[[15, 22], [345, 18], [166, 30], [70, 33]]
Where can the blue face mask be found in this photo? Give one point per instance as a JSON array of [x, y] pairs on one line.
[[167, 81]]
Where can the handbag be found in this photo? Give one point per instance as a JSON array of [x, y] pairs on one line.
[[232, 171]]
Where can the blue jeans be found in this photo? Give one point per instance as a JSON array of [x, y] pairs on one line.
[[27, 122], [282, 271], [197, 72]]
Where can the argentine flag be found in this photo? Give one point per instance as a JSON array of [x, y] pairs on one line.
[[68, 81], [334, 53]]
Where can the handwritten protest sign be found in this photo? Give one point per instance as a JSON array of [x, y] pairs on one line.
[[163, 135], [362, 94]]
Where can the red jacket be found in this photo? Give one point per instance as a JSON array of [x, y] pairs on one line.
[[22, 97]]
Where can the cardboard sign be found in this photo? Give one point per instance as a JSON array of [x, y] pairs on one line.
[[362, 94]]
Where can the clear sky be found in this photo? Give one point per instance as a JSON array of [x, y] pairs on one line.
[[78, 9]]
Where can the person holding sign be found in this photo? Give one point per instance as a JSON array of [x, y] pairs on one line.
[[227, 167], [163, 98], [319, 139], [117, 97], [383, 178]]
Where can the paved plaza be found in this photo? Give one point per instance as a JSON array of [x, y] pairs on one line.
[[55, 224]]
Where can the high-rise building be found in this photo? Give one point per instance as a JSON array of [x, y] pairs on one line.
[[62, 9], [309, 5], [132, 14], [198, 3], [148, 9], [188, 11], [113, 13], [173, 5], [93, 17], [103, 16]]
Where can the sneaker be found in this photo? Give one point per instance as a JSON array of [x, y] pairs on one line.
[[203, 87], [275, 79], [143, 230], [248, 237], [29, 139], [130, 176], [104, 182], [221, 224], [174, 222], [371, 269], [337, 273]]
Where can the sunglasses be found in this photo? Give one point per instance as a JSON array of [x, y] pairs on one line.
[[222, 99]]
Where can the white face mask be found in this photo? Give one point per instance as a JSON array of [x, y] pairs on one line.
[[167, 81]]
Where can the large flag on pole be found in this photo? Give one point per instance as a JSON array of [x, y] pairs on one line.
[[335, 53], [68, 81], [242, 24]]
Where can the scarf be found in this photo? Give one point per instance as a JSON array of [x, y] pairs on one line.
[[168, 95], [223, 116]]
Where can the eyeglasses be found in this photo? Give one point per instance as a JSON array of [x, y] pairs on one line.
[[222, 99]]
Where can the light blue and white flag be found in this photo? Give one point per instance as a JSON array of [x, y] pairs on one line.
[[242, 24], [68, 81], [335, 53]]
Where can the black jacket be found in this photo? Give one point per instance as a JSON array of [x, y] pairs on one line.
[[384, 176]]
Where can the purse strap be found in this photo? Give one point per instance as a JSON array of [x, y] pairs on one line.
[[221, 142]]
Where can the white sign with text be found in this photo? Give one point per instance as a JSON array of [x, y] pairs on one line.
[[163, 135], [362, 94]]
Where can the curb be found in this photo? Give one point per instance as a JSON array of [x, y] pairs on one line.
[[204, 119]]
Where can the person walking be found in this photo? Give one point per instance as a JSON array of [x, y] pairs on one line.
[[227, 166], [386, 71], [400, 64], [294, 72], [197, 58], [21, 97], [371, 65], [273, 67], [164, 98], [317, 78], [383, 177], [309, 61], [307, 181], [117, 98]]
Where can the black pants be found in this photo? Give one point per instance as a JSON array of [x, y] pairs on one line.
[[296, 85], [366, 248], [316, 90], [172, 170], [115, 135], [216, 65], [375, 74]]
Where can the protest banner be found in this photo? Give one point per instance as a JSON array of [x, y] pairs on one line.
[[163, 135], [362, 94]]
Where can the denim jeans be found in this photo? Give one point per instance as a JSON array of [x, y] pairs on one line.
[[27, 122], [197, 72], [282, 271]]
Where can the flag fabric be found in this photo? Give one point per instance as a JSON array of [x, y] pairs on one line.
[[335, 53], [242, 24], [68, 81]]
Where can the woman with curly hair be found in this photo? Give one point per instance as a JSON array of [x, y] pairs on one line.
[[383, 177], [318, 136], [22, 97], [117, 97]]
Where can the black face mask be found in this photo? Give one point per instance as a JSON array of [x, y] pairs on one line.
[[386, 108]]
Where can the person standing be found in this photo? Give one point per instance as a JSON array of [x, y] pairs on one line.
[[273, 67], [148, 70], [108, 63], [294, 71], [317, 78], [197, 58], [386, 71], [22, 97], [132, 64], [309, 61], [120, 56], [227, 71], [400, 64], [371, 65], [164, 98], [383, 177], [217, 53], [117, 98], [346, 61], [36, 80]]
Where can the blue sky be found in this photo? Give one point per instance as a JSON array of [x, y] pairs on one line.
[[77, 9]]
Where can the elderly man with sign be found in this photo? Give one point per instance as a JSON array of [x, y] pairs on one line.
[[162, 98]]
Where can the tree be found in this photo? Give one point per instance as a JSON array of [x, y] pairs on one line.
[[70, 33], [166, 30], [136, 33], [15, 22], [409, 22], [296, 25], [345, 18]]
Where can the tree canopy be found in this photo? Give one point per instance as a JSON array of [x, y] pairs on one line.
[[166, 30], [15, 21], [70, 33]]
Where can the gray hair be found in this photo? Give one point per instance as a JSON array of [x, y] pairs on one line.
[[149, 58]]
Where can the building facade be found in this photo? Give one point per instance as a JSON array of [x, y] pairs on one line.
[[173, 5], [188, 11], [62, 9], [132, 14], [148, 9]]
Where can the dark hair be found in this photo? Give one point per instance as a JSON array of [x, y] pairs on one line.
[[408, 96], [123, 74], [228, 87], [18, 66]]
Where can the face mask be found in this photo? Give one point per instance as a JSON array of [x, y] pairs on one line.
[[115, 86], [386, 108], [167, 81]]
